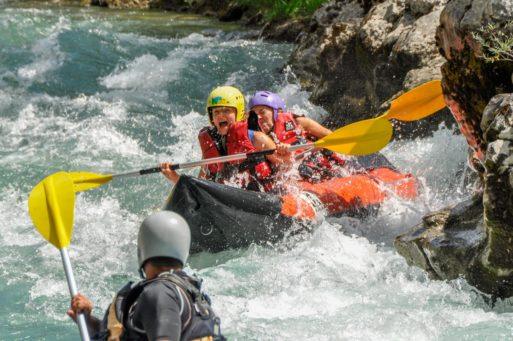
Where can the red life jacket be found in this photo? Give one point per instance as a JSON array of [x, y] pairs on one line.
[[237, 141], [211, 146], [286, 129], [314, 166]]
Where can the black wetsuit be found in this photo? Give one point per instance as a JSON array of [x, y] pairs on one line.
[[169, 307], [157, 311]]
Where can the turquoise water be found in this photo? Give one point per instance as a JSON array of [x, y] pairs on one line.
[[113, 91]]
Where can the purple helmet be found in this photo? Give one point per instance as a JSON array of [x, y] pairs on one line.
[[269, 99]]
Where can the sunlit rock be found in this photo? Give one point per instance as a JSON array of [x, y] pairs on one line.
[[356, 56]]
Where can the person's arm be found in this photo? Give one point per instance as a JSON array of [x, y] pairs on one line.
[[158, 312], [313, 128], [262, 142], [81, 304]]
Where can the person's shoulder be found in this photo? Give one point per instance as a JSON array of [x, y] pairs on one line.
[[239, 127], [243, 123], [126, 289], [156, 290], [260, 135], [296, 115], [160, 284], [205, 133], [204, 130]]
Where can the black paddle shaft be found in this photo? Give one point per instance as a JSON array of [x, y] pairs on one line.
[[248, 156]]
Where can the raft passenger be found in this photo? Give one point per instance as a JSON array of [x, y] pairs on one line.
[[268, 114], [167, 304], [228, 134]]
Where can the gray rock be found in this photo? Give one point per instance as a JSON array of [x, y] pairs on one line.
[[447, 242], [287, 31], [497, 126], [419, 8], [474, 239], [357, 57], [336, 17]]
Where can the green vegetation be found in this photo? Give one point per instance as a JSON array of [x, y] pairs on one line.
[[283, 9], [497, 44]]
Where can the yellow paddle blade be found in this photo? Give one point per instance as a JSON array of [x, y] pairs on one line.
[[422, 101], [51, 205], [83, 181], [359, 138]]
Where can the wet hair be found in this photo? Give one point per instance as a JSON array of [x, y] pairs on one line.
[[253, 121]]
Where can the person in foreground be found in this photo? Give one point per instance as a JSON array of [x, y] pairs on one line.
[[228, 134], [167, 304]]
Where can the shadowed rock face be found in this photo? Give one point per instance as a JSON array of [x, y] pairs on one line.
[[469, 81], [357, 55], [447, 242], [474, 239], [119, 3], [473, 89], [497, 127], [225, 10]]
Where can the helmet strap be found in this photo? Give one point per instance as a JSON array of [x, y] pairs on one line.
[[141, 273], [210, 116]]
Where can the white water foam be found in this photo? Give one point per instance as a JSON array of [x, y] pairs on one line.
[[438, 161], [115, 111], [185, 128], [148, 72], [92, 136], [336, 287], [15, 228], [48, 55], [298, 103], [195, 39], [5, 100]]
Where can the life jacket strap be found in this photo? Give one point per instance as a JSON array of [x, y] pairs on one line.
[[218, 140], [114, 326]]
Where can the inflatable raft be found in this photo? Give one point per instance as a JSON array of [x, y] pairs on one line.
[[223, 217]]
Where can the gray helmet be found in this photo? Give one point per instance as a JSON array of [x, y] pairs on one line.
[[163, 234]]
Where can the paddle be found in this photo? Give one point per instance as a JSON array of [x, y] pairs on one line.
[[51, 205], [419, 102], [359, 138]]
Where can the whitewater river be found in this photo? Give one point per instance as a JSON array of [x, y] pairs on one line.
[[111, 91]]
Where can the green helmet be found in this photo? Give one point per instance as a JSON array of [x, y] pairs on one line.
[[163, 234]]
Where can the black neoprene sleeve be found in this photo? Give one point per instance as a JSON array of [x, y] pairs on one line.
[[158, 312]]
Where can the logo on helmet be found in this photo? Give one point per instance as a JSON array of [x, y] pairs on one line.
[[216, 100]]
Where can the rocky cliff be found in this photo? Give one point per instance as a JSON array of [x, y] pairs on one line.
[[475, 239]]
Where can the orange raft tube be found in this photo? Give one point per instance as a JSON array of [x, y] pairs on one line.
[[350, 193], [223, 217]]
